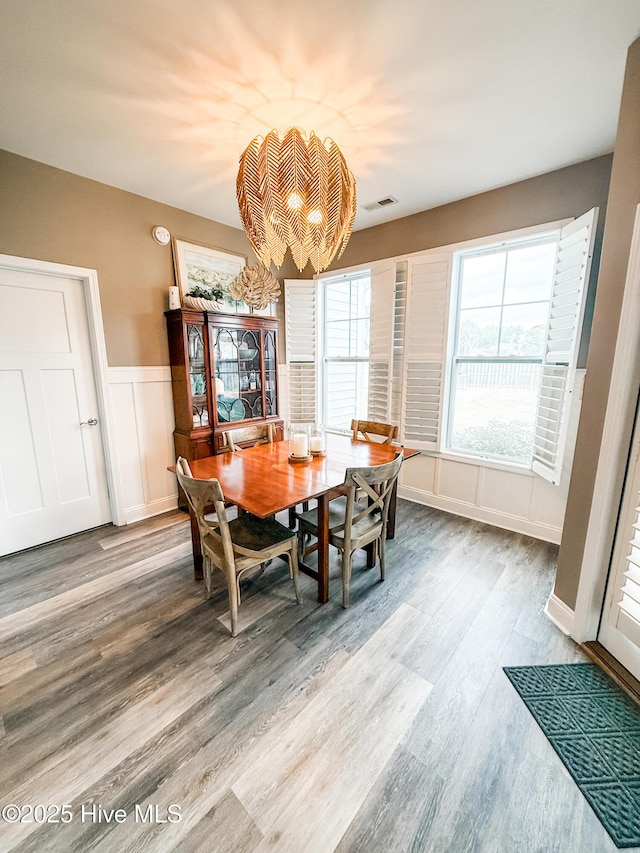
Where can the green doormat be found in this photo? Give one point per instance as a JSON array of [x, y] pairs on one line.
[[595, 729]]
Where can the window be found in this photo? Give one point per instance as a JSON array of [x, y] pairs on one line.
[[470, 347], [345, 364], [341, 337], [502, 296]]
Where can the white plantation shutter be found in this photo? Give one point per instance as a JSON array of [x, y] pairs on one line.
[[566, 313], [629, 603], [301, 303], [428, 287], [619, 629], [381, 340], [399, 317]]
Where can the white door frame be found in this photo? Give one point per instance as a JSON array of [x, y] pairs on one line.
[[89, 281], [614, 451]]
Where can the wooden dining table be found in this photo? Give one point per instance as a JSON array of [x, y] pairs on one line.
[[263, 481]]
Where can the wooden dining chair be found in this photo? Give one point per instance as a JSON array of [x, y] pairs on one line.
[[238, 545], [249, 436], [353, 525], [385, 433]]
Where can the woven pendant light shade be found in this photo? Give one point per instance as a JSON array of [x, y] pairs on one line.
[[296, 193]]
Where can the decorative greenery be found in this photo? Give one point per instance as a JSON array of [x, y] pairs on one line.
[[214, 294]]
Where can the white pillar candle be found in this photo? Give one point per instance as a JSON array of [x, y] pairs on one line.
[[174, 297], [316, 444], [300, 444]]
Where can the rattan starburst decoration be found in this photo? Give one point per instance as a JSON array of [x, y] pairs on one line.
[[296, 192], [256, 287]]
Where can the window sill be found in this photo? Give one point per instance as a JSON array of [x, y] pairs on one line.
[[452, 456], [481, 462]]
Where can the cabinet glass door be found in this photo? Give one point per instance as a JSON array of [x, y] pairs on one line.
[[197, 375], [238, 383], [270, 385]]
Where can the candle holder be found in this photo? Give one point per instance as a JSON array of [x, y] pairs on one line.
[[294, 460], [317, 442], [299, 443]]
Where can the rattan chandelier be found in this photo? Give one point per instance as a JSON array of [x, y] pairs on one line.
[[299, 193]]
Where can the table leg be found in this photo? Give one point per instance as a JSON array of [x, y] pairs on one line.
[[197, 547], [372, 554], [391, 518], [323, 548]]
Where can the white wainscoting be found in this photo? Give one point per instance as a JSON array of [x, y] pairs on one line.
[[142, 408], [513, 500]]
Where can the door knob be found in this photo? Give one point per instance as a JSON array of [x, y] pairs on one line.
[[90, 422]]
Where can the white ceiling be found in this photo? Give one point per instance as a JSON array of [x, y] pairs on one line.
[[430, 100]]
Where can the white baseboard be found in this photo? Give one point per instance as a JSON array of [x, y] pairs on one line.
[[139, 513], [498, 519], [560, 614]]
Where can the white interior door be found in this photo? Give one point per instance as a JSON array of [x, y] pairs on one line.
[[620, 625], [52, 469]]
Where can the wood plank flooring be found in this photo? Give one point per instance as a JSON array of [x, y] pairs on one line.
[[386, 727]]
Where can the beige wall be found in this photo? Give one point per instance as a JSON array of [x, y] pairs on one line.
[[556, 195], [52, 215], [624, 196]]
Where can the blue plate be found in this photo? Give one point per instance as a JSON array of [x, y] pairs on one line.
[[230, 409]]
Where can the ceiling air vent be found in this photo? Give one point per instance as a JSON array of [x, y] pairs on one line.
[[381, 202]]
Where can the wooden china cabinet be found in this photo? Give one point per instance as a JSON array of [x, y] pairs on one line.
[[224, 377]]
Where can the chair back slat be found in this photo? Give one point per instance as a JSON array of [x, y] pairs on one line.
[[366, 429], [183, 467], [256, 434]]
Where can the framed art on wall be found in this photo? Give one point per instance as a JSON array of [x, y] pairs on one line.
[[198, 265]]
